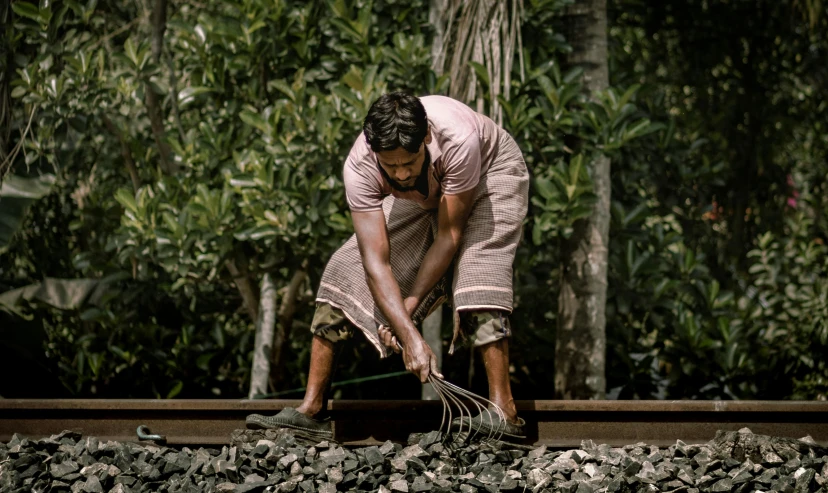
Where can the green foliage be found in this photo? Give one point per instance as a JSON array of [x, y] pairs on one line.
[[16, 196], [563, 198], [716, 137]]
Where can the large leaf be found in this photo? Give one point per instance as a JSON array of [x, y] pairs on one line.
[[16, 195], [64, 294]]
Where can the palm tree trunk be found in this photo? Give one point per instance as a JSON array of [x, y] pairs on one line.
[[580, 349]]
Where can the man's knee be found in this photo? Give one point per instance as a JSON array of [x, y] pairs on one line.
[[485, 326], [330, 324]]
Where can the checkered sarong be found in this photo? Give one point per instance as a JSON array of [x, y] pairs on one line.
[[482, 274]]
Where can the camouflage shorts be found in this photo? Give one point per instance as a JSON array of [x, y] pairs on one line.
[[482, 327]]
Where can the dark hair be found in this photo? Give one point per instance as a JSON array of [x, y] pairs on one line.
[[396, 120]]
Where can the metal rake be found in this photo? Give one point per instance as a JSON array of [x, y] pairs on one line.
[[463, 401]]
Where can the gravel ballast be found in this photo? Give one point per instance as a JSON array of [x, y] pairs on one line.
[[276, 460]]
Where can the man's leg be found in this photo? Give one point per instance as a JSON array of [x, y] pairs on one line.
[[496, 360], [491, 330], [323, 360], [329, 328]]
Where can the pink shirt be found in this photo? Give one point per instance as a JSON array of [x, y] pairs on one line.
[[461, 143]]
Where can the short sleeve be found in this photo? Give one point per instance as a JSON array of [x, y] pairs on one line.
[[363, 190], [462, 165]]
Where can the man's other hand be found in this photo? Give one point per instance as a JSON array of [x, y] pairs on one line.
[[388, 339], [419, 359]]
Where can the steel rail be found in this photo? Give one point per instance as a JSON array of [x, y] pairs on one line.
[[554, 423]]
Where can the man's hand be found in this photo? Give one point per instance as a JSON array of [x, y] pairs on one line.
[[419, 359]]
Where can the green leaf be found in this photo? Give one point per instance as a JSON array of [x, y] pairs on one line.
[[354, 79], [283, 87], [255, 120], [481, 72], [573, 75], [17, 194], [546, 189], [25, 9], [131, 52], [175, 390], [628, 94], [125, 197], [575, 168], [188, 94], [63, 294]]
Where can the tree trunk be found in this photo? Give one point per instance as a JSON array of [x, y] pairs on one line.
[[286, 312], [265, 325], [245, 287], [159, 26], [580, 349]]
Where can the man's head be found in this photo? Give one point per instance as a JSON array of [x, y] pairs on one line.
[[397, 130]]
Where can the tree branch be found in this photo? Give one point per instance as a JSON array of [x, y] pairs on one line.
[[125, 152], [245, 287], [159, 26], [174, 97]]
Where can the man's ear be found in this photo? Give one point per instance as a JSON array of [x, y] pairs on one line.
[[427, 139]]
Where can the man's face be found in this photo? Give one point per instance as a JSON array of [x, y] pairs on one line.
[[402, 167]]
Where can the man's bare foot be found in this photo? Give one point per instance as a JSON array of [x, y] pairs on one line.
[[509, 409], [310, 409]]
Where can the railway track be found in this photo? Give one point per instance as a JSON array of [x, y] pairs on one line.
[[551, 422]]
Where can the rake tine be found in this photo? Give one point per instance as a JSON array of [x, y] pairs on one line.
[[475, 400], [443, 393], [474, 397], [452, 394], [446, 406], [457, 402]]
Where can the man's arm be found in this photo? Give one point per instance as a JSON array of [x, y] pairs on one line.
[[372, 238], [452, 215]]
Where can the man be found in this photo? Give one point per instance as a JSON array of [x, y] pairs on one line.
[[430, 184]]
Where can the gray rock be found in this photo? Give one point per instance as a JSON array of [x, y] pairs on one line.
[[536, 453], [334, 475], [585, 487], [420, 484], [742, 477], [536, 478], [783, 485], [804, 480], [287, 460], [400, 485], [327, 488], [413, 451], [62, 469], [722, 485], [92, 485], [430, 439], [387, 447], [373, 456]]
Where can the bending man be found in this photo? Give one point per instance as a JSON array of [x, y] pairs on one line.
[[438, 194]]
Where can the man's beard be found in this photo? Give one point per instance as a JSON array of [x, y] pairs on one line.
[[420, 185]]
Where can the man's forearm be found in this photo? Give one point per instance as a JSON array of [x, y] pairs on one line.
[[386, 293], [434, 266]]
